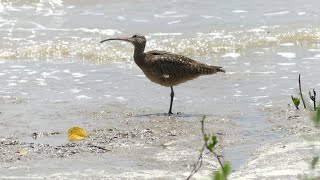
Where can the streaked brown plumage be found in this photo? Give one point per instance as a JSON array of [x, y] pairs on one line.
[[164, 68]]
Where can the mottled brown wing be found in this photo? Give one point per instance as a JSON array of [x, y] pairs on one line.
[[172, 69]]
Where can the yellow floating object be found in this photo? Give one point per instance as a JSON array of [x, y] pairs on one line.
[[22, 153], [77, 133]]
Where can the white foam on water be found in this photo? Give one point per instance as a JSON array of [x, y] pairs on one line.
[[11, 84], [237, 95], [1, 8], [83, 97], [264, 72], [276, 13], [140, 20], [314, 50], [288, 55], [216, 34], [170, 16], [107, 95], [268, 104], [170, 12], [122, 18], [262, 88], [256, 30], [66, 71], [209, 17], [239, 11], [22, 81], [287, 44], [231, 72], [40, 79], [78, 75], [311, 58], [174, 22], [165, 34], [38, 26], [231, 55], [271, 39], [141, 75], [16, 66], [41, 82], [45, 74], [92, 13], [32, 72], [301, 13], [75, 90], [121, 98], [108, 32], [314, 57], [286, 64], [56, 2]]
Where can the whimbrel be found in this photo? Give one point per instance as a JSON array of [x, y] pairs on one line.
[[165, 68]]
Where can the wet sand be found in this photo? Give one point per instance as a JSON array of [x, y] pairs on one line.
[[155, 146], [160, 148]]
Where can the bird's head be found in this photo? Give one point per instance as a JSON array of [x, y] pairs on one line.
[[136, 40]]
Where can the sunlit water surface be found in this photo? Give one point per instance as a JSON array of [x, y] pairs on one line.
[[54, 72]]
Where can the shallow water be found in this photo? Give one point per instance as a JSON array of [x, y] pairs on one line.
[[55, 74]]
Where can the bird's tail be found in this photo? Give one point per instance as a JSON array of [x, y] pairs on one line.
[[213, 70]]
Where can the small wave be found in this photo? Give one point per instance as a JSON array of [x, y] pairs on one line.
[[277, 13], [239, 11], [288, 55], [86, 46]]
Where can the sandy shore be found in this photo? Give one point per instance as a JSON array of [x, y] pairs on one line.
[[160, 148]]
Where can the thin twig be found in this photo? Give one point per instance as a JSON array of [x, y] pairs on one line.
[[206, 144], [313, 98], [304, 104], [197, 165]]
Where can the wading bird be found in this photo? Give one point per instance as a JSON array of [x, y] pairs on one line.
[[165, 68]]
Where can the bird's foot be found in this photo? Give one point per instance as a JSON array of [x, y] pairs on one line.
[[171, 113]]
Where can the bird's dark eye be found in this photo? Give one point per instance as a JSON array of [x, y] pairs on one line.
[[134, 36]]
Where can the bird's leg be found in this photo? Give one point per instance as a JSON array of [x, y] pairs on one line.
[[172, 95]]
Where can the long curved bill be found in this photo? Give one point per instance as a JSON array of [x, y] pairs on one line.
[[112, 39]]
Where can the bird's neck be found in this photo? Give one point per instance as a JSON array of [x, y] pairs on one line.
[[139, 55]]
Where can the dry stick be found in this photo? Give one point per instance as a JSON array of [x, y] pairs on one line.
[[314, 102], [313, 98], [304, 104]]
